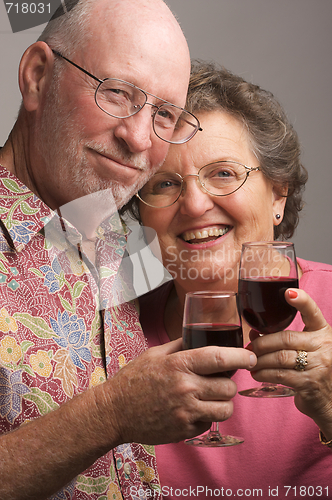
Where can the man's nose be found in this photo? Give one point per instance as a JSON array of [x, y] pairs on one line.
[[136, 131]]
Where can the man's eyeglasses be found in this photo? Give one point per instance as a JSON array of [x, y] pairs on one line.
[[219, 178], [122, 99]]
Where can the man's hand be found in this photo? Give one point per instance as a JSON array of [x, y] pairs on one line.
[[167, 394]]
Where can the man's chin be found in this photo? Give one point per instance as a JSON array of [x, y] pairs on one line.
[[117, 194]]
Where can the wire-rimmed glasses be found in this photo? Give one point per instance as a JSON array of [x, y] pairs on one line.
[[121, 99], [219, 178]]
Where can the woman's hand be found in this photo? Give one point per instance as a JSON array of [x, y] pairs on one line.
[[277, 355]]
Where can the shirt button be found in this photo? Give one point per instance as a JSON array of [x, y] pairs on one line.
[[127, 469]]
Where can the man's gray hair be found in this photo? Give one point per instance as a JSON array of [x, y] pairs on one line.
[[67, 31]]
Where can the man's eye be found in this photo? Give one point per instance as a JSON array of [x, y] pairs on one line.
[[114, 94], [164, 113], [165, 116], [118, 92]]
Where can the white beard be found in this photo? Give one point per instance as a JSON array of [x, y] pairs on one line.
[[59, 144]]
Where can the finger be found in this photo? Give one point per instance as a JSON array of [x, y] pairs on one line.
[[288, 378], [216, 388], [173, 346], [286, 341], [310, 312], [253, 334], [215, 411], [212, 359], [298, 380], [280, 360]]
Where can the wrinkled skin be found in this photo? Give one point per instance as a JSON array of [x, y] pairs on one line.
[[173, 394]]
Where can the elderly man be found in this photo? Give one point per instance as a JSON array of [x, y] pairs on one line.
[[103, 91]]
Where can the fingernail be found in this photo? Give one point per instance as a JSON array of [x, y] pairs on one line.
[[253, 360], [292, 294]]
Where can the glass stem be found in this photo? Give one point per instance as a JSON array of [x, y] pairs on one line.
[[268, 387], [214, 432]]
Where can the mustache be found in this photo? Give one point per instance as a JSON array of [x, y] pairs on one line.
[[121, 154]]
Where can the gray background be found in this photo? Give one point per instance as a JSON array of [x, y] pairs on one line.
[[283, 45]]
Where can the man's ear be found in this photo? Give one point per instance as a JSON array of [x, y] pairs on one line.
[[279, 198], [35, 72]]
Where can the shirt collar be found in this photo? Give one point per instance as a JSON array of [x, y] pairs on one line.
[[23, 215]]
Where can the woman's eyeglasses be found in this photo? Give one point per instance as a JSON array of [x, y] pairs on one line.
[[219, 178]]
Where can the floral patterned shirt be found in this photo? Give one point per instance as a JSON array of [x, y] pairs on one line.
[[58, 332]]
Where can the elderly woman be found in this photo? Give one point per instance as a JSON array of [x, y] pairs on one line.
[[288, 442]]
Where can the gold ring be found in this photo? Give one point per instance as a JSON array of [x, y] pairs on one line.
[[301, 360]]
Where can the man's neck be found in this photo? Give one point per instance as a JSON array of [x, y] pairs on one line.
[[88, 212]]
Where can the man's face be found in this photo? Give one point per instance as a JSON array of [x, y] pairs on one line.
[[81, 149]]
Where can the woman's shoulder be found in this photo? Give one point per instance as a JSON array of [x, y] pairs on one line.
[[309, 266], [151, 315], [316, 280], [155, 298]]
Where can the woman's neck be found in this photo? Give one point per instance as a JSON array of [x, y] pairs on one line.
[[173, 314]]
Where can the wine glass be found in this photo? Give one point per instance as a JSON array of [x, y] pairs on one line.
[[267, 269], [212, 319]]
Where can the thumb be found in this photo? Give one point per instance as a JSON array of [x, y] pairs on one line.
[[312, 316], [168, 348]]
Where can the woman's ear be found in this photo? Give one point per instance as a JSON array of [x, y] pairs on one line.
[[35, 72], [279, 198]]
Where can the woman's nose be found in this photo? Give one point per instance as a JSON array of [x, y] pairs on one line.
[[194, 201]]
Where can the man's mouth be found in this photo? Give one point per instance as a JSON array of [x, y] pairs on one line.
[[121, 158], [204, 235], [122, 162]]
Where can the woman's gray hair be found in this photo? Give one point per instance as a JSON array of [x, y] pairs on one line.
[[273, 139]]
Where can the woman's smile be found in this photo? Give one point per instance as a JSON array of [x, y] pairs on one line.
[[204, 235], [201, 231]]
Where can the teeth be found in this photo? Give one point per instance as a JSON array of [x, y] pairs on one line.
[[200, 235]]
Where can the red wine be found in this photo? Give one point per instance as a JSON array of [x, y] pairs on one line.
[[205, 334], [263, 305]]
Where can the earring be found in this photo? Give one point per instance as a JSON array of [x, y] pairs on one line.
[[278, 216]]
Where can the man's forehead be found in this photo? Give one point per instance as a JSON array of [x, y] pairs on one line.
[[152, 55]]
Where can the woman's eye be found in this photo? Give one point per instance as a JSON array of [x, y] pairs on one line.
[[163, 185], [222, 173], [166, 184]]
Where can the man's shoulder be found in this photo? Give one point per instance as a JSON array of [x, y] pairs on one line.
[[22, 214]]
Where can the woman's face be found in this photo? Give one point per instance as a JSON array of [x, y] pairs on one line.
[[201, 235]]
